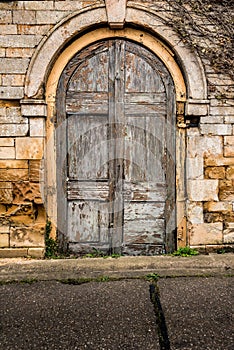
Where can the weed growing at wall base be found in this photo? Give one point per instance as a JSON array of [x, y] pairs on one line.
[[51, 245], [185, 251]]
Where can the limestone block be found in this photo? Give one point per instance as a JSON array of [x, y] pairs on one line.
[[226, 190], [4, 229], [19, 52], [29, 148], [229, 232], [221, 110], [2, 210], [8, 29], [25, 17], [7, 142], [220, 80], [19, 210], [13, 164], [42, 5], [5, 16], [228, 217], [225, 184], [229, 237], [229, 151], [206, 233], [27, 236], [229, 140], [33, 110], [4, 240], [21, 220], [2, 112], [198, 108], [199, 146], [37, 253], [33, 30], [37, 126], [216, 129], [230, 173], [218, 206], [195, 212], [192, 132], [6, 184], [27, 191], [21, 41], [116, 12], [13, 115], [211, 119], [13, 253], [194, 168], [6, 195], [49, 17], [215, 172], [203, 190], [13, 175], [11, 92], [13, 65], [35, 174], [229, 119], [68, 6], [13, 80], [220, 102], [213, 216], [217, 160], [41, 215], [7, 152]]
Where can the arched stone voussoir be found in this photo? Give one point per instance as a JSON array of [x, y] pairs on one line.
[[190, 63], [142, 17], [50, 48]]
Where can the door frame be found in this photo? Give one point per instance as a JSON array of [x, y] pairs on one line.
[[166, 56]]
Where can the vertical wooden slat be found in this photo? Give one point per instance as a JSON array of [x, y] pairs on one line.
[[116, 119]]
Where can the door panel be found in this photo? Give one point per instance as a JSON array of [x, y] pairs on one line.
[[87, 136], [113, 99], [87, 223]]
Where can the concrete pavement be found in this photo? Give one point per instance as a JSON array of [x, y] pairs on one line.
[[164, 265], [53, 309]]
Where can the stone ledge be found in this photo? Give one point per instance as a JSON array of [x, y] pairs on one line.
[[211, 248], [33, 108], [196, 107], [58, 269], [22, 252]]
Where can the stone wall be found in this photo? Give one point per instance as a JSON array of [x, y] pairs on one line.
[[210, 144]]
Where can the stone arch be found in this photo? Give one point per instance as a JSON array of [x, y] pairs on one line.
[[69, 28], [77, 31]]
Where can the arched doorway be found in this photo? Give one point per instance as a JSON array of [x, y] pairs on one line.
[[115, 144]]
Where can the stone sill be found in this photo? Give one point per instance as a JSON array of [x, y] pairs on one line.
[[214, 248], [22, 252]]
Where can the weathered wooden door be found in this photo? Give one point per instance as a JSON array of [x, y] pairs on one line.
[[115, 151]]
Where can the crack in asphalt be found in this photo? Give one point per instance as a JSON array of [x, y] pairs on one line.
[[164, 340]]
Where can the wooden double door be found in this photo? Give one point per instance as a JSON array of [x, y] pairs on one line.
[[116, 151]]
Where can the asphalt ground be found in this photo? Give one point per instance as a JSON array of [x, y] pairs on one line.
[[124, 304]]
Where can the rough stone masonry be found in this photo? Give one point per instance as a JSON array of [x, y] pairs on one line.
[[25, 26]]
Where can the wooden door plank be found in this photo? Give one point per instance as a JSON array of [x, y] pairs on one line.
[[98, 191], [116, 119], [87, 223], [87, 138]]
